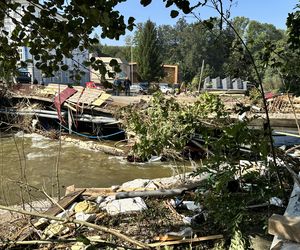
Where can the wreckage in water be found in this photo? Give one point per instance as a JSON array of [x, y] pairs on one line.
[[76, 109]]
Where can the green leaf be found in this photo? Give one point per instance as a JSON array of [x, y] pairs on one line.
[[169, 3], [64, 67], [174, 13], [31, 8], [131, 20], [83, 239], [145, 2], [208, 24], [113, 62]]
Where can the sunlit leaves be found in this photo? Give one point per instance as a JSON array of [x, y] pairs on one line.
[[64, 26], [167, 125], [293, 24], [64, 67], [113, 63]]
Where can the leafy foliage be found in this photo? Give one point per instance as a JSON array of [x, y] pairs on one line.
[[53, 29], [148, 53], [59, 28], [167, 125]]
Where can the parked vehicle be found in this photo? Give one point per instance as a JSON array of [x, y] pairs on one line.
[[23, 77], [165, 89], [136, 89], [145, 86]]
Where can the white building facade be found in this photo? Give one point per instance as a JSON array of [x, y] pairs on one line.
[[65, 77], [124, 67]]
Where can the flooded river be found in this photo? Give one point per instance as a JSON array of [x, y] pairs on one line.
[[35, 156], [32, 159]]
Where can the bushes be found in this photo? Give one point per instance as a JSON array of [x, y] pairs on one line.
[[167, 126]]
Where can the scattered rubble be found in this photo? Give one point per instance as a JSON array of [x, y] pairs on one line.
[[152, 223]]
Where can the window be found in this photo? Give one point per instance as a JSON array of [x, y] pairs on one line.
[[20, 50]]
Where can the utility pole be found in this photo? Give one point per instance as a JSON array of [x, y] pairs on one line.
[[201, 74], [131, 58]]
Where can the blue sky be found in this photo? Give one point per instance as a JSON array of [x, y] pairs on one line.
[[266, 11]]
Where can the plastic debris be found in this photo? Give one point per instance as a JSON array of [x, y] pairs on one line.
[[103, 201], [276, 201], [138, 184], [155, 159], [189, 205], [242, 116], [186, 232], [87, 207], [100, 199], [85, 217], [194, 220], [80, 246], [125, 205], [54, 230]]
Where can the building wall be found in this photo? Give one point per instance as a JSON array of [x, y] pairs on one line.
[[60, 76], [171, 73], [124, 66]]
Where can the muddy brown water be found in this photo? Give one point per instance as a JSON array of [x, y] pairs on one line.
[[32, 159]]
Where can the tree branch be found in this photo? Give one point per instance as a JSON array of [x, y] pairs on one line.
[[84, 223]]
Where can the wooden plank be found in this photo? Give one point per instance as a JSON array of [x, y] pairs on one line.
[[70, 120], [64, 202], [94, 192], [90, 191], [193, 240], [53, 210], [101, 99], [285, 227]]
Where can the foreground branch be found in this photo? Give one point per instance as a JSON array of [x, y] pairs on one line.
[[84, 223]]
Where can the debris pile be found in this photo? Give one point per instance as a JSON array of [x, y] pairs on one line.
[[284, 104], [99, 216]]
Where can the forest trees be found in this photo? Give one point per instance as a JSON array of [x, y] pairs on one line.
[[188, 44], [148, 53], [62, 26]]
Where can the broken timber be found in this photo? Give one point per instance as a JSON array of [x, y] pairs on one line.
[[53, 115], [95, 146], [190, 241], [152, 193], [84, 223], [64, 202], [52, 211]]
